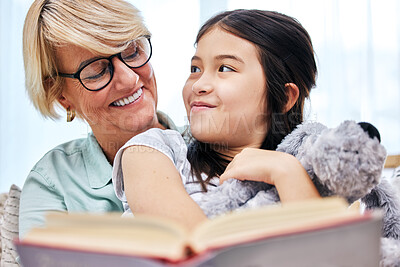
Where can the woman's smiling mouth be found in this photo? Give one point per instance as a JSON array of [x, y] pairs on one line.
[[128, 100]]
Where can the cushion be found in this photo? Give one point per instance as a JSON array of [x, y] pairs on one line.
[[3, 198], [9, 227]]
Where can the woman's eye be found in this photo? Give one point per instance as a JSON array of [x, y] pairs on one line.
[[224, 68], [131, 56], [194, 69]]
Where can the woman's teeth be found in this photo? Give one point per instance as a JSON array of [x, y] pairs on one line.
[[127, 100]]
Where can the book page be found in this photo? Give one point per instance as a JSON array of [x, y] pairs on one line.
[[250, 225], [146, 236]]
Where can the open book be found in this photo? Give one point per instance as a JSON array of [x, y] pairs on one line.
[[324, 230]]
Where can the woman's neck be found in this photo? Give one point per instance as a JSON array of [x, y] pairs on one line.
[[112, 141]]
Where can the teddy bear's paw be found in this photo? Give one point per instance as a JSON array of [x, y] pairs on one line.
[[384, 198], [395, 180], [391, 227], [263, 198], [390, 252], [214, 204], [346, 160], [229, 196]]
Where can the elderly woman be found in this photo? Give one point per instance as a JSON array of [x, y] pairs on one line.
[[91, 58]]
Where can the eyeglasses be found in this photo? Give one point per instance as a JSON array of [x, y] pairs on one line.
[[98, 73]]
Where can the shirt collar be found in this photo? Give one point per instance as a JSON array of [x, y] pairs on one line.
[[166, 121], [98, 169]]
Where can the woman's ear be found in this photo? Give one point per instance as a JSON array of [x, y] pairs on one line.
[[64, 102], [48, 83], [292, 92]]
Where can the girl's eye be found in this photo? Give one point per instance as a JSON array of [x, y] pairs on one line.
[[194, 69], [224, 68]]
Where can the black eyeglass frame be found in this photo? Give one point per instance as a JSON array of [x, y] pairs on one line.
[[77, 74]]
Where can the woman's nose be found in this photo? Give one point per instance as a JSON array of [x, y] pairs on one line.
[[124, 76]]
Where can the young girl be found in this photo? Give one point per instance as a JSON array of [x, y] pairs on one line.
[[250, 75]]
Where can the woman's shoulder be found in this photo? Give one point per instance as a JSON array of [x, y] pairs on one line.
[[69, 147], [69, 151]]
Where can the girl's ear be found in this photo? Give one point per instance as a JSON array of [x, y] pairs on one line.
[[292, 92]]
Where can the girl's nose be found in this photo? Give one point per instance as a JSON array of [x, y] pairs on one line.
[[202, 86]]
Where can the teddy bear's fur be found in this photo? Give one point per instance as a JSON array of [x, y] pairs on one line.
[[346, 161]]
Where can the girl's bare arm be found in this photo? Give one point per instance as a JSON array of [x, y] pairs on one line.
[[154, 186]]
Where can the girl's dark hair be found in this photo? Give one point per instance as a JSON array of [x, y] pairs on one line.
[[286, 55]]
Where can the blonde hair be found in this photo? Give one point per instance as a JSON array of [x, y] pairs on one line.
[[101, 26]]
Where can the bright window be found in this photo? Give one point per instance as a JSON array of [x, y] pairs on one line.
[[357, 45]]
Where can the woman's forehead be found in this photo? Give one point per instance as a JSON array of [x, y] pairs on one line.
[[69, 57]]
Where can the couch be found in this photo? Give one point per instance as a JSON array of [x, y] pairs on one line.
[[9, 209]]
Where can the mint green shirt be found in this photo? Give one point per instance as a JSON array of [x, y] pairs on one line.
[[74, 177]]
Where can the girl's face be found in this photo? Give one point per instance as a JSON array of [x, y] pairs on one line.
[[225, 93], [127, 105]]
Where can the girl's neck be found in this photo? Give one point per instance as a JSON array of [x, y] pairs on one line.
[[229, 153]]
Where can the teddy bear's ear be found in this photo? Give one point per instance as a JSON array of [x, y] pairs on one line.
[[371, 130]]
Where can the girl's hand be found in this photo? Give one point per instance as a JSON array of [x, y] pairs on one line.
[[277, 168], [255, 165]]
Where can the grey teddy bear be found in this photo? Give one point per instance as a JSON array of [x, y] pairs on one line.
[[346, 161]]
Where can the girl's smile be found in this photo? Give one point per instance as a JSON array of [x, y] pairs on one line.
[[198, 106]]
